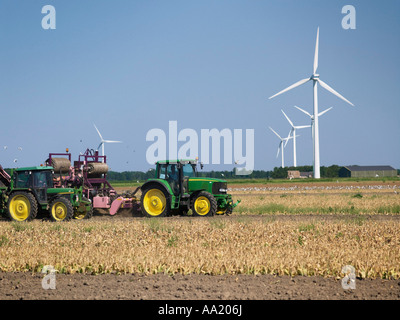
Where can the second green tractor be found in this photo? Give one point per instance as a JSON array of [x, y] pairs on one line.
[[176, 189]]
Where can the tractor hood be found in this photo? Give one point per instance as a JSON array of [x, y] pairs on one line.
[[212, 185], [211, 180]]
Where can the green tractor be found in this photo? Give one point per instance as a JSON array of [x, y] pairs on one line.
[[176, 189], [29, 190]]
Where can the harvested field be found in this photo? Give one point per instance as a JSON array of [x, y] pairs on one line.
[[291, 243], [328, 203], [233, 245]]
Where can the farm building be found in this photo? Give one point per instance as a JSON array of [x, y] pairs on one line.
[[293, 174], [367, 171], [297, 174]]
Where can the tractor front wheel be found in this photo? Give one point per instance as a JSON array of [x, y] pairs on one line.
[[22, 206], [204, 204], [61, 209]]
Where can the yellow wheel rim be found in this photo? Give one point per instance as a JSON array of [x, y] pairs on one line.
[[202, 205], [154, 202], [59, 211], [79, 215], [20, 207]]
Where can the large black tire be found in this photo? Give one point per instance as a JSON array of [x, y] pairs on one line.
[[22, 206], [61, 209], [155, 202], [203, 204]]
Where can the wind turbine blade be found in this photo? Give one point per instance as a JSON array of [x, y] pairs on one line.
[[298, 83], [303, 111], [101, 143], [302, 127], [279, 148], [291, 123], [287, 140], [324, 85], [316, 53], [275, 133], [98, 132], [289, 136], [321, 113], [111, 141]]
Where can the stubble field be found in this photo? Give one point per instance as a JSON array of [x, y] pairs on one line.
[[296, 236]]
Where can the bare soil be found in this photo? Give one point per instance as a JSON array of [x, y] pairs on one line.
[[27, 286]]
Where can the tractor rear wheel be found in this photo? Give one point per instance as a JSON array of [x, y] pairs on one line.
[[204, 204], [22, 206], [61, 209], [155, 202]]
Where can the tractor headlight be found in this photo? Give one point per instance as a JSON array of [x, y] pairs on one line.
[[223, 190]]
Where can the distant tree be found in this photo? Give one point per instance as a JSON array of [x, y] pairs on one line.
[[279, 173], [332, 171]]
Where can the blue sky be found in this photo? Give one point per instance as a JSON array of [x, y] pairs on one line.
[[131, 66]]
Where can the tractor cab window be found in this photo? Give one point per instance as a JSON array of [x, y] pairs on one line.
[[42, 179], [173, 173], [188, 170], [22, 179], [162, 171]]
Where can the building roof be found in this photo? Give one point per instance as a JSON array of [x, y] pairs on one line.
[[369, 168]]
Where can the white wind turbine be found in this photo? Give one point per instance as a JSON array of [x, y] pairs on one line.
[[315, 78], [293, 131], [281, 146], [312, 120], [312, 117], [102, 141]]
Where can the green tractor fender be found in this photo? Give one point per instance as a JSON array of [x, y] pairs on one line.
[[157, 182], [162, 185]]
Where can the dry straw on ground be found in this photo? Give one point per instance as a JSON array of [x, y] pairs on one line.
[[237, 245]]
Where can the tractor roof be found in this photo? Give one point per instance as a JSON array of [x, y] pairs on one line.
[[34, 168], [177, 161]]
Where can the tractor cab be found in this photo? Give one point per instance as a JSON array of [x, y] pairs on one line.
[[37, 179], [177, 174], [177, 189]]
